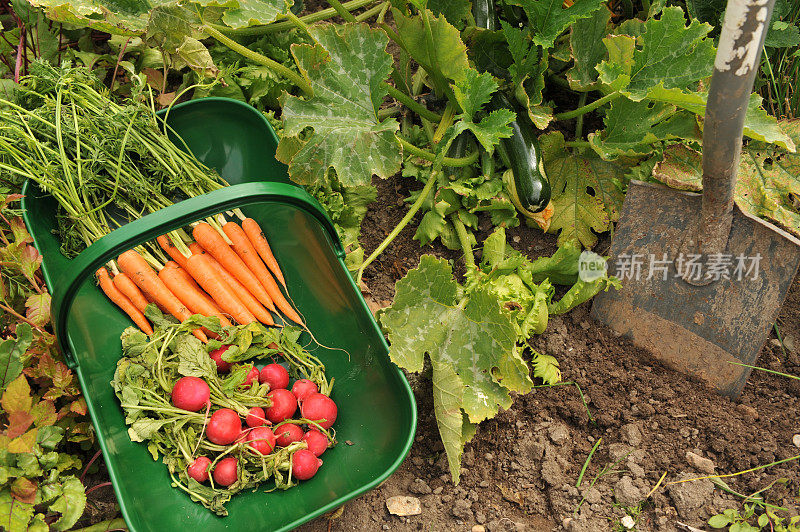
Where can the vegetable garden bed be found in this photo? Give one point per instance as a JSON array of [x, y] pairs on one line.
[[414, 130]]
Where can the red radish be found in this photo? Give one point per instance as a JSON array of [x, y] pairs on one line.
[[198, 469], [303, 388], [190, 393], [216, 356], [255, 417], [224, 427], [252, 376], [304, 464], [262, 439], [227, 471], [288, 433], [317, 442], [284, 405], [275, 375], [319, 408], [242, 436]]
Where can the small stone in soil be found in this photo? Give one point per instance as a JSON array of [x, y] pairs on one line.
[[631, 434], [704, 465], [796, 440], [747, 411], [402, 505], [552, 473], [478, 528], [626, 493], [462, 509], [627, 522], [420, 487], [559, 434], [688, 497]]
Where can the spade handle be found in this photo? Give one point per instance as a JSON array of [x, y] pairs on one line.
[[735, 67]]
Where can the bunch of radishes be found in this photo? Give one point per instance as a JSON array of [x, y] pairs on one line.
[[264, 429]]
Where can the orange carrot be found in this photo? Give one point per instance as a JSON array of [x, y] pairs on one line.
[[171, 250], [200, 268], [174, 265], [244, 248], [107, 285], [247, 299], [145, 278], [131, 291], [259, 241], [212, 242], [195, 300]]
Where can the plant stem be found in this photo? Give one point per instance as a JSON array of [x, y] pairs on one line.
[[588, 107], [463, 239], [299, 24], [273, 65], [446, 161], [446, 122], [586, 463], [404, 222], [577, 144], [412, 104], [344, 13], [579, 120], [284, 25]]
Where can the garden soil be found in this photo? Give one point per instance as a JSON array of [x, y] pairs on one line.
[[520, 470]]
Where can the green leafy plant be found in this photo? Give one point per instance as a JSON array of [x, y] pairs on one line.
[[41, 410]]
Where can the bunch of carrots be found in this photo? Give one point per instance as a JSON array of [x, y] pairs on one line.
[[229, 271]]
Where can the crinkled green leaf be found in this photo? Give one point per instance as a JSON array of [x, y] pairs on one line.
[[491, 128], [546, 368], [548, 18], [584, 194], [633, 127], [560, 268], [581, 292], [11, 349], [758, 124], [455, 11], [196, 56], [670, 54], [439, 51], [346, 72], [194, 360], [146, 428], [70, 504], [584, 38], [474, 91], [169, 24], [782, 34], [470, 335], [523, 53]]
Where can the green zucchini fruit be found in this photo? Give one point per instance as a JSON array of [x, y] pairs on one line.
[[522, 155]]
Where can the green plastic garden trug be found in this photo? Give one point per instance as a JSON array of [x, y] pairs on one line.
[[377, 412]]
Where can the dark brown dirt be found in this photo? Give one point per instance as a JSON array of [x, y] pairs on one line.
[[521, 468]]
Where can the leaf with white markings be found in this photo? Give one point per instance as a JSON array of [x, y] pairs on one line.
[[346, 70]]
